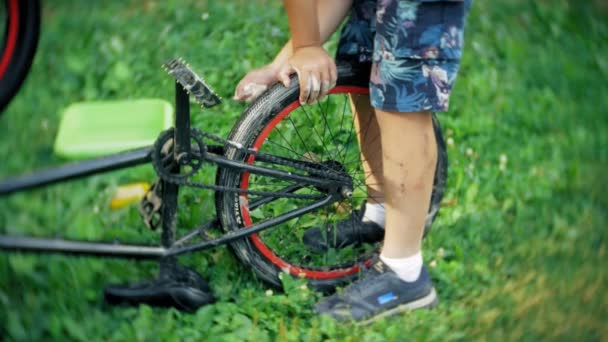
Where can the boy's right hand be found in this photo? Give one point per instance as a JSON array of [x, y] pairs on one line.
[[315, 68], [316, 71], [256, 82]]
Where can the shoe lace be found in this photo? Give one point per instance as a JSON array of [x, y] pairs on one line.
[[368, 277]]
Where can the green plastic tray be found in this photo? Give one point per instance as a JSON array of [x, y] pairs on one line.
[[93, 129]]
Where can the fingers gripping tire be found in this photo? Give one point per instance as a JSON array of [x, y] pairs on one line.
[[322, 133]]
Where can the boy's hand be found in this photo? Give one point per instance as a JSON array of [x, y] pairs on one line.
[[256, 82], [316, 71]]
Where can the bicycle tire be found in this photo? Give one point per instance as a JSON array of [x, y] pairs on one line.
[[261, 251], [18, 47]]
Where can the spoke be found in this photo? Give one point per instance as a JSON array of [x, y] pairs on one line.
[[342, 120], [327, 103], [330, 221], [291, 148], [315, 130], [265, 183], [361, 184], [283, 147], [304, 145], [324, 114], [298, 134], [364, 142], [368, 199], [352, 127], [364, 181], [361, 187], [268, 158]]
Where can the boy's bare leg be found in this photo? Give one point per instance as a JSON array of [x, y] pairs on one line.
[[368, 134], [399, 277], [409, 159], [407, 165]]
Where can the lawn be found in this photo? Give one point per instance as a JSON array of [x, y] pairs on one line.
[[519, 249]]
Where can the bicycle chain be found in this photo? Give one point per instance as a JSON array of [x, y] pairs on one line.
[[181, 181]]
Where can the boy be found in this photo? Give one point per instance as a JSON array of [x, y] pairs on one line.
[[415, 49]]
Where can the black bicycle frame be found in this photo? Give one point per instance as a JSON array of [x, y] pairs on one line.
[[169, 248]]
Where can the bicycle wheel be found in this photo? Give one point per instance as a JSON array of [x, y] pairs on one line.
[[20, 40], [324, 134]]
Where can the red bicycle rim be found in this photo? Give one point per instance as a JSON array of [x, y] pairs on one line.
[[11, 41], [255, 239]]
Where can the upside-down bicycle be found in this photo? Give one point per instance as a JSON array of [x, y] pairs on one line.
[[284, 167]]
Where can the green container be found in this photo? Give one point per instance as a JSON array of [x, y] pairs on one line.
[[93, 129]]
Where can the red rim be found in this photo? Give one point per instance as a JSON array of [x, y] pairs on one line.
[[257, 242], [13, 30]]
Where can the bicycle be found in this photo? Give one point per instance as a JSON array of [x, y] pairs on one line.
[[282, 169]]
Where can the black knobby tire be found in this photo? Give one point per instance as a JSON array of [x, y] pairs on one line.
[[277, 124], [22, 28]]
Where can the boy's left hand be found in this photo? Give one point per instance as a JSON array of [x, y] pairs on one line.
[[256, 82]]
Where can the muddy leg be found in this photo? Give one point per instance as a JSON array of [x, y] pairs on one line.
[[409, 158]]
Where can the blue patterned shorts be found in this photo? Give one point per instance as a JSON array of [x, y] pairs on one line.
[[414, 47]]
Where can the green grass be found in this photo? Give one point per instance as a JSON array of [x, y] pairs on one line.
[[519, 253]]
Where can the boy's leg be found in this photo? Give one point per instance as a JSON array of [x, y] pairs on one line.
[[416, 57], [406, 165], [409, 158], [368, 134]]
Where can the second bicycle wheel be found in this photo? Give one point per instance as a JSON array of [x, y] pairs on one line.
[[18, 43], [323, 134]]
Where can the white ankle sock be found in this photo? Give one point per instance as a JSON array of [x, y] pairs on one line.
[[408, 269], [374, 212]]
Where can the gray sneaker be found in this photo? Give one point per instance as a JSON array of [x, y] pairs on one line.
[[378, 294]]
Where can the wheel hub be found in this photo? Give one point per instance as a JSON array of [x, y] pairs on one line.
[[344, 189]]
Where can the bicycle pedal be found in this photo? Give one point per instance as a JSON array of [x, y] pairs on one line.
[[192, 83], [150, 206]]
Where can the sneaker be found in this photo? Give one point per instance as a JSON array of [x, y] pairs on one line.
[[183, 289], [378, 294], [351, 231]]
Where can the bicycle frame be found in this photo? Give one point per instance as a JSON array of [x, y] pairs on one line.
[[169, 247]]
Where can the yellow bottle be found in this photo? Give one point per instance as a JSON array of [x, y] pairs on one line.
[[129, 193]]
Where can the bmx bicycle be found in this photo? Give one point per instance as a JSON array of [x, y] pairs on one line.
[[284, 168]]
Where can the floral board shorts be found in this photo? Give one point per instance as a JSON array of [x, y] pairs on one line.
[[414, 47]]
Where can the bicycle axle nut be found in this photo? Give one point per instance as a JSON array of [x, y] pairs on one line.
[[346, 192]]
